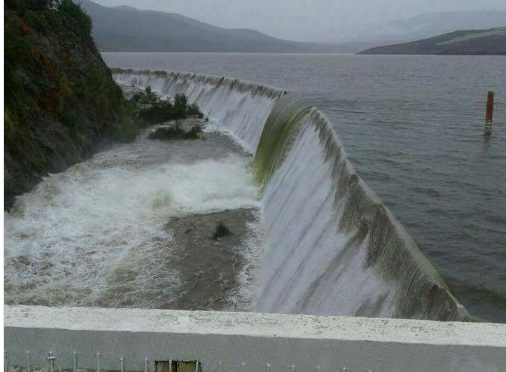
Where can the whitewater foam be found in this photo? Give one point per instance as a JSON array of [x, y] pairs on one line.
[[311, 256], [332, 247], [242, 112], [99, 229]]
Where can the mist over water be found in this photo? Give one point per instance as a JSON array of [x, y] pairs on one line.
[[412, 127]]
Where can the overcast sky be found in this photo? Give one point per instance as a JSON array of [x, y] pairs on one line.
[[305, 20]]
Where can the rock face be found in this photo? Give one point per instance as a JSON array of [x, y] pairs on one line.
[[60, 99]]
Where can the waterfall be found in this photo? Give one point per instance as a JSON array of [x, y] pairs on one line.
[[238, 105], [332, 246]]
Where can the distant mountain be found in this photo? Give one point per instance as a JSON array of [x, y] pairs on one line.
[[430, 25], [470, 42], [126, 29]]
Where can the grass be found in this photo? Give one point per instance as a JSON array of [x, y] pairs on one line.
[[176, 132], [221, 231]]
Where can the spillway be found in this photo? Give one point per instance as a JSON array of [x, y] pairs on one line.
[[332, 246]]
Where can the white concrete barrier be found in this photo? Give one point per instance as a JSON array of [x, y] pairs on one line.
[[96, 338]]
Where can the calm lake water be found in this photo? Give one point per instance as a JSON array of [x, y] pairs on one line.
[[412, 126]]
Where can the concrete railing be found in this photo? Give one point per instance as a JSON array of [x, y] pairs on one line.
[[133, 339]]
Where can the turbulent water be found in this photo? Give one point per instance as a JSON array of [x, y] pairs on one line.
[[99, 233], [412, 126], [332, 247]]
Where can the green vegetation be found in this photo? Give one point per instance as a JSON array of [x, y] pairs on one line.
[[148, 97], [163, 111], [75, 14], [464, 42], [176, 132], [221, 231], [35, 72], [26, 5], [130, 125], [194, 110], [159, 113], [60, 98], [48, 15], [61, 103]]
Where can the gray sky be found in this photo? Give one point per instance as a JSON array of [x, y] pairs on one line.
[[306, 20]]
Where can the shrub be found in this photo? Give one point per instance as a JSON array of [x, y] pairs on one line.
[[193, 109], [220, 231], [158, 114], [17, 48], [125, 132], [18, 55], [22, 6], [127, 128], [38, 20], [150, 95], [146, 97], [180, 101], [195, 132], [164, 111], [77, 14], [68, 119], [176, 132]]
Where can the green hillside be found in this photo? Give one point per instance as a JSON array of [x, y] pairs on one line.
[[466, 42], [126, 29], [60, 99]]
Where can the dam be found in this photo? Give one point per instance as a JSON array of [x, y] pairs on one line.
[[331, 248], [328, 236]]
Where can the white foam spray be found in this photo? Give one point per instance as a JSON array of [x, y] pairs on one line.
[[332, 247], [102, 224]]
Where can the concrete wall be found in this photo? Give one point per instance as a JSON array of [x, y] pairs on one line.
[[285, 342]]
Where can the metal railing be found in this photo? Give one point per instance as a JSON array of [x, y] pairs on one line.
[[140, 340]]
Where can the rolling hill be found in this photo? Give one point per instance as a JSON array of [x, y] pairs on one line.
[[465, 42], [429, 25], [127, 29]]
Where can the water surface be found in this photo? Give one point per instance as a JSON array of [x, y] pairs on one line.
[[412, 126], [107, 231]]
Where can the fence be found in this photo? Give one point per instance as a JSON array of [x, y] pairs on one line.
[[177, 341]]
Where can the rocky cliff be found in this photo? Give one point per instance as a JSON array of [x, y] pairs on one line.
[[61, 102]]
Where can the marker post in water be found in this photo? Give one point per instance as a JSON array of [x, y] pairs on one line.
[[490, 114]]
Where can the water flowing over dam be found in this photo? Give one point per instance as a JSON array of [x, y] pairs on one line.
[[332, 246]]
